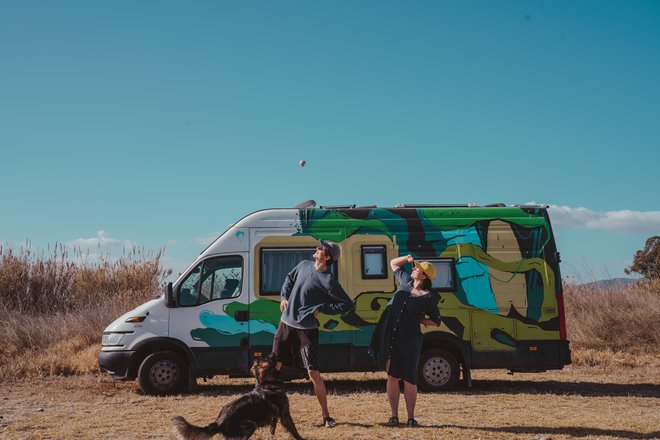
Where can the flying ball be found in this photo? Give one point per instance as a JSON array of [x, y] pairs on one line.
[[302, 163]]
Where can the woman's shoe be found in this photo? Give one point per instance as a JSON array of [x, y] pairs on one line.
[[392, 422], [412, 423]]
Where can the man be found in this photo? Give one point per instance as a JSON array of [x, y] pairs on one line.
[[310, 288]]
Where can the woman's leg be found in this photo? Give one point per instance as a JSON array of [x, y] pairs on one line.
[[410, 395], [392, 392]]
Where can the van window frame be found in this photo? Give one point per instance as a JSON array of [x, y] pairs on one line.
[[333, 269], [452, 264], [200, 266], [366, 276]]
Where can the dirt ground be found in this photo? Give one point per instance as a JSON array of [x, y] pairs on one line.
[[586, 403]]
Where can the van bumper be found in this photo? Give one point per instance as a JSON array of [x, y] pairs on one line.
[[117, 364], [564, 353]]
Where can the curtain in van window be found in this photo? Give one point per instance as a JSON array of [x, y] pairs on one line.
[[276, 264], [443, 275]]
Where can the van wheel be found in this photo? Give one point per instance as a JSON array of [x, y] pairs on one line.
[[162, 373], [438, 370]]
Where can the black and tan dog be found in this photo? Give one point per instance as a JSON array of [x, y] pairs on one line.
[[262, 406]]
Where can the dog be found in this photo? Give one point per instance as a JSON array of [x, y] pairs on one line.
[[240, 418]]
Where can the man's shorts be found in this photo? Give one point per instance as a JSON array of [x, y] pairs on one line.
[[296, 347]]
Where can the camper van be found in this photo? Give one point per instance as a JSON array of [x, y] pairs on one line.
[[497, 278]]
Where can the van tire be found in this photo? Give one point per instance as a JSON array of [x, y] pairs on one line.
[[438, 370], [162, 373]]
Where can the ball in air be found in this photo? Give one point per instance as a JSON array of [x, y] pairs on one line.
[[302, 163]]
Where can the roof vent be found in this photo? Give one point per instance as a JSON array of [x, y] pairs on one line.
[[306, 204]]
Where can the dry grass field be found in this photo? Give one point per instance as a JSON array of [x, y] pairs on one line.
[[586, 403], [53, 311]]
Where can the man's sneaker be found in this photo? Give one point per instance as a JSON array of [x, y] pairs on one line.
[[329, 422], [412, 423]]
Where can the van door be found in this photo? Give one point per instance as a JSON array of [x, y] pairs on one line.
[[210, 315]]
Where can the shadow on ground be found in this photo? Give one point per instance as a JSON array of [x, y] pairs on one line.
[[479, 387], [562, 430]]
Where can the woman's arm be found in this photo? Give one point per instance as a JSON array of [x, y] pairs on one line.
[[396, 263]]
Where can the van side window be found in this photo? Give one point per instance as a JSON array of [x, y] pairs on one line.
[[374, 262], [188, 291], [276, 263], [444, 275], [215, 278]]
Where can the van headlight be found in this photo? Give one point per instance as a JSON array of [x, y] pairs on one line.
[[112, 338]]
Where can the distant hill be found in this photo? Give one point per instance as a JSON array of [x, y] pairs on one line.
[[612, 282]]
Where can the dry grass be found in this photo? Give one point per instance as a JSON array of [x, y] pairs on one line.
[[54, 309], [572, 403], [612, 325]]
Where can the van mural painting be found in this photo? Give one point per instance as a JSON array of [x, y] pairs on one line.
[[498, 260]]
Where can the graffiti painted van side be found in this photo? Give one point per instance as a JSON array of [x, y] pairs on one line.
[[498, 272]]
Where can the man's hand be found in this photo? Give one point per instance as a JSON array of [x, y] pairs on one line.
[[283, 305]]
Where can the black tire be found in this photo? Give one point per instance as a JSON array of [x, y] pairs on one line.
[[438, 370], [162, 373]]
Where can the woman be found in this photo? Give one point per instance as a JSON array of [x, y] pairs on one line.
[[397, 341]]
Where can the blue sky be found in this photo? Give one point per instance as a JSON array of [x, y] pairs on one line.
[[157, 124]]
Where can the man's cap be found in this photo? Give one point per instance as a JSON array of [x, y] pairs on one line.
[[427, 268], [332, 248]]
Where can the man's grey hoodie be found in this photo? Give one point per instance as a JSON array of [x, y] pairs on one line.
[[307, 290]]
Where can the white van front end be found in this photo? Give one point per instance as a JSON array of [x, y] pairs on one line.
[[123, 337]]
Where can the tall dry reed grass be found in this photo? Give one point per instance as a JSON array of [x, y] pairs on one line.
[[54, 307], [616, 325]]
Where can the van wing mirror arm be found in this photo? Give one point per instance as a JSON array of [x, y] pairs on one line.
[[170, 296]]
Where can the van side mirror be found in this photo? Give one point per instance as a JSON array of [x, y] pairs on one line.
[[170, 296]]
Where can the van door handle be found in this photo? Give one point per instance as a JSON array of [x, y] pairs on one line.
[[242, 315]]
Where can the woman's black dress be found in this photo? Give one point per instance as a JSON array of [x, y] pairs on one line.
[[398, 336]]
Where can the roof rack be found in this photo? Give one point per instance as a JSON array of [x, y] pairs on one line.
[[532, 206], [337, 206], [407, 205], [311, 204]]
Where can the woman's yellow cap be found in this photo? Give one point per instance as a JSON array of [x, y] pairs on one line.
[[427, 268]]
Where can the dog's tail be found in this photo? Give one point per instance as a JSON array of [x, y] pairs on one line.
[[186, 431]]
